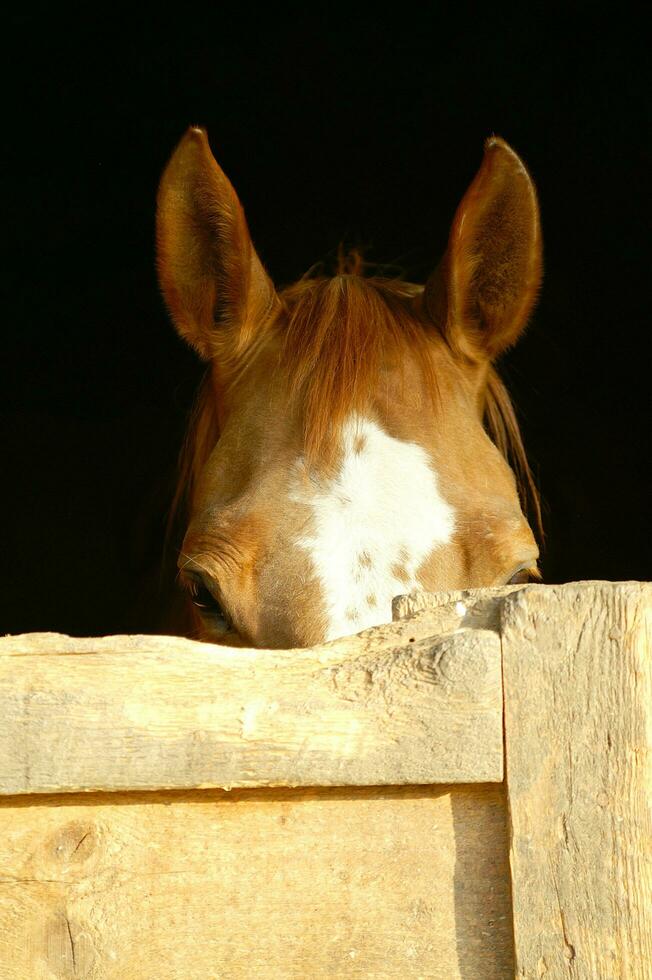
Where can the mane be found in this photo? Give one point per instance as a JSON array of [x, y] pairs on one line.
[[503, 429], [339, 330]]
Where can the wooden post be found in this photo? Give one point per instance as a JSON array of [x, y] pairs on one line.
[[578, 740]]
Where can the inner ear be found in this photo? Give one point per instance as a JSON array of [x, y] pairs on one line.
[[485, 287], [212, 280]]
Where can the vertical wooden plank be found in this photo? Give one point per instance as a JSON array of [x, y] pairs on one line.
[[578, 725]]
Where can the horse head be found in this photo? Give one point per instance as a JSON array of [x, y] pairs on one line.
[[352, 436]]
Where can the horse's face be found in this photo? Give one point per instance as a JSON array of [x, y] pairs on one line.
[[340, 455]]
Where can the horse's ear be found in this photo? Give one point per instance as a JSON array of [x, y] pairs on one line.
[[485, 287], [213, 282]]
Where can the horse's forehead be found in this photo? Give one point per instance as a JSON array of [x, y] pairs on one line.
[[372, 524]]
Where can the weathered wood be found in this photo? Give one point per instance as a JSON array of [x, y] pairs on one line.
[[443, 612], [392, 882], [145, 712], [435, 613], [578, 730], [352, 882]]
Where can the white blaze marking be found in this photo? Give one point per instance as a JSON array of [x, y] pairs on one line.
[[381, 514]]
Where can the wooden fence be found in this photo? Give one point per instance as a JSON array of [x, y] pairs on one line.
[[465, 792]]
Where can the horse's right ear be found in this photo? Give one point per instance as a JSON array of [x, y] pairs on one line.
[[213, 282]]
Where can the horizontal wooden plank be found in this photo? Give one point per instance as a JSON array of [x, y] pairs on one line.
[[117, 713], [432, 613], [391, 882], [437, 613]]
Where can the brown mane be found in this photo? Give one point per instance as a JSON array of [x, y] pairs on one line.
[[336, 334]]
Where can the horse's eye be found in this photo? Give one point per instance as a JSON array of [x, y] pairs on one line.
[[206, 602], [202, 598]]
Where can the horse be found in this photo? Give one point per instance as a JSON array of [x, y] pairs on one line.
[[352, 439]]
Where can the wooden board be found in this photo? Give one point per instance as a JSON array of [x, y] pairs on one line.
[[117, 713], [444, 612], [405, 883], [578, 730], [401, 881]]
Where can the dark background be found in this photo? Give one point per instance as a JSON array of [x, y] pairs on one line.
[[332, 124]]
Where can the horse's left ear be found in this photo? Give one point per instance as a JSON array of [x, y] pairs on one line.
[[484, 289], [213, 282]]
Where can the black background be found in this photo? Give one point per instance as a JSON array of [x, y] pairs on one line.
[[333, 124]]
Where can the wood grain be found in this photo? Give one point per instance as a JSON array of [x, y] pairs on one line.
[[116, 713], [391, 882], [443, 612], [383, 881], [578, 727]]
